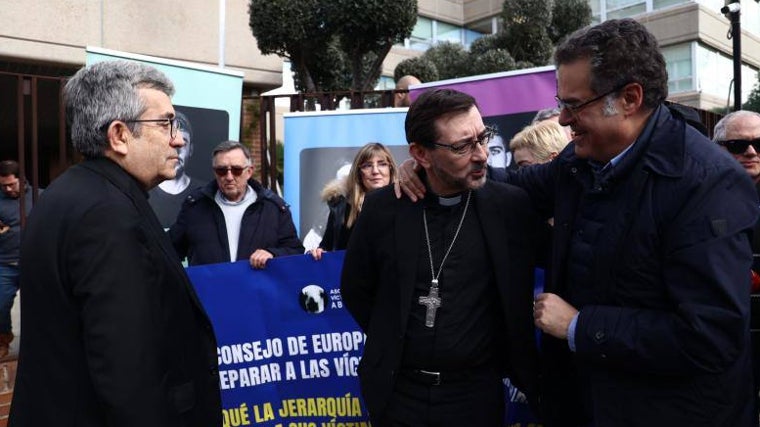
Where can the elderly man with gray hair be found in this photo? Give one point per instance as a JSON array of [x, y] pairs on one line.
[[739, 134], [114, 334], [234, 217]]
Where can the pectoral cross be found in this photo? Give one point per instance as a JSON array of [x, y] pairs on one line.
[[432, 301]]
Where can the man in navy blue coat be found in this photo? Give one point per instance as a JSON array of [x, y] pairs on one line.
[[646, 313]]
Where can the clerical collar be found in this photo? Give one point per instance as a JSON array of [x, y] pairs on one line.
[[431, 199], [450, 200], [435, 201]]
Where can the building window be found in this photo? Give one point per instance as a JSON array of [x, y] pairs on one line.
[[422, 34], [750, 17], [679, 65], [715, 73], [385, 83], [447, 33], [661, 4], [602, 10], [428, 32], [624, 8], [470, 36]]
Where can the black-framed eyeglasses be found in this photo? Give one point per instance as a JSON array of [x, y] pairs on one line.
[[464, 148], [739, 146], [574, 109], [172, 124], [223, 170]]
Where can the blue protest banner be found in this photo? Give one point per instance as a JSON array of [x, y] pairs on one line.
[[287, 350]]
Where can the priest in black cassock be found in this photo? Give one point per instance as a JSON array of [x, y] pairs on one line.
[[443, 288]]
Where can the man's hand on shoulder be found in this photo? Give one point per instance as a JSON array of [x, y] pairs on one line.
[[408, 181]]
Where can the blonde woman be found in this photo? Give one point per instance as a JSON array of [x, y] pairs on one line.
[[538, 143], [373, 168]]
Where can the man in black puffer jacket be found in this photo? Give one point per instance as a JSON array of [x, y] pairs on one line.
[[234, 218]]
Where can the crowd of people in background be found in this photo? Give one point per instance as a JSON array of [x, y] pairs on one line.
[[646, 227]]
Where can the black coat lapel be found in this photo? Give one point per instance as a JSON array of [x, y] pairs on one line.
[[408, 232], [127, 185], [492, 218]]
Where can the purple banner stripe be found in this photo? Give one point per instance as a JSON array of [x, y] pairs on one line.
[[504, 93]]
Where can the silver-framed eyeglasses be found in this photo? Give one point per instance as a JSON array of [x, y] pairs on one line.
[[369, 166], [575, 108], [167, 123], [467, 147]]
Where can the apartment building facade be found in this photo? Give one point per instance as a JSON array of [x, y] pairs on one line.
[[692, 34]]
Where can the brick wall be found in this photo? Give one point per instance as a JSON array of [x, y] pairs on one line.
[[249, 134], [7, 379]]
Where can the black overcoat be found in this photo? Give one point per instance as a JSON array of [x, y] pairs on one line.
[[113, 333], [379, 274]]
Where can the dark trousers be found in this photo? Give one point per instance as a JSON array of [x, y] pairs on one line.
[[471, 402]]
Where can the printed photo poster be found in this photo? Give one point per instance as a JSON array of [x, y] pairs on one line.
[[201, 129], [320, 146], [507, 100], [207, 102], [288, 350]]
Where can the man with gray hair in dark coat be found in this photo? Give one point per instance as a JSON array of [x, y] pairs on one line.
[[114, 334], [234, 217]]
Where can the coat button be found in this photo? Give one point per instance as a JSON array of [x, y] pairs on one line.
[[599, 335]]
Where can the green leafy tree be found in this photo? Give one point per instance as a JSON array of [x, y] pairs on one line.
[[450, 59], [568, 16], [530, 30], [292, 29], [525, 30], [328, 68], [753, 102], [486, 43], [488, 56], [492, 61], [419, 67], [332, 42], [367, 30]]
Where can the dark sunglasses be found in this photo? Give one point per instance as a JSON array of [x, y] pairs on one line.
[[739, 146], [236, 170]]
